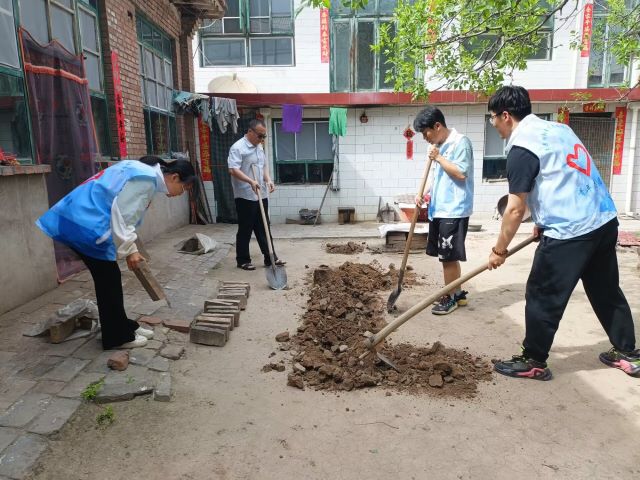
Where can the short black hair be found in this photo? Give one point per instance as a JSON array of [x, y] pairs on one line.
[[512, 99], [427, 118], [255, 122]]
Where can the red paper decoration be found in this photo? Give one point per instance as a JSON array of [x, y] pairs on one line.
[[408, 134]]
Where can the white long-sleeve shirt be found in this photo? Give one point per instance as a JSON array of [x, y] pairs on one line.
[[129, 206]]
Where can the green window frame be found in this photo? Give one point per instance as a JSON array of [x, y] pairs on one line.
[[50, 19], [354, 66], [604, 70], [494, 161], [305, 157], [254, 33], [157, 86]]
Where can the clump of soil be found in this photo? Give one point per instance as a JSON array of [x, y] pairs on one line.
[[348, 248], [345, 306]]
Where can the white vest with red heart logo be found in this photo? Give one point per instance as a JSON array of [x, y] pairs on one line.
[[568, 198]]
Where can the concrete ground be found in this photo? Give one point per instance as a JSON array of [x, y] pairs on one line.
[[228, 420]]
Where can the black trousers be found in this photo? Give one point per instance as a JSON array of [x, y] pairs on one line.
[[250, 221], [116, 326], [557, 267]]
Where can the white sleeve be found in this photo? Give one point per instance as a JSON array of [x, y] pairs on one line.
[[126, 211]]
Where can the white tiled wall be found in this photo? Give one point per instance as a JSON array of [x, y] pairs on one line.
[[373, 163]]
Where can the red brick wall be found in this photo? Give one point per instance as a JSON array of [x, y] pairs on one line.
[[118, 32]]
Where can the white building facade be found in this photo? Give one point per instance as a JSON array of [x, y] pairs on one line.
[[321, 60]]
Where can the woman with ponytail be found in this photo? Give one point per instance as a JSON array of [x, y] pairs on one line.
[[98, 219]]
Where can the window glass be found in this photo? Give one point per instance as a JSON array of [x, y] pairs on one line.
[[271, 51], [8, 39], [306, 141], [88, 31], [100, 120], [291, 172], [324, 144], [92, 71], [366, 57], [222, 52], [285, 144], [14, 124], [33, 17], [62, 27], [493, 143], [384, 67], [342, 56]]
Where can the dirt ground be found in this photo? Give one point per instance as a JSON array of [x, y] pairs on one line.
[[230, 420]]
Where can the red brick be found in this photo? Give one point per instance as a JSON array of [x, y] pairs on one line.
[[178, 325], [149, 320]]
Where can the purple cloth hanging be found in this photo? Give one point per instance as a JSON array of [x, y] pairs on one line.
[[291, 118]]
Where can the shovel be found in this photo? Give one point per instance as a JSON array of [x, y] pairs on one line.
[[396, 293], [371, 342], [276, 274]]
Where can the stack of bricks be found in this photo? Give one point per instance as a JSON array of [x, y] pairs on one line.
[[220, 315]]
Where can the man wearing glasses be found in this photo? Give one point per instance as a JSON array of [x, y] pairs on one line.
[[246, 190], [549, 169]]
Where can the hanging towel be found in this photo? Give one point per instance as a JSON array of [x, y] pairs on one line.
[[338, 121], [205, 112], [226, 113], [291, 118]]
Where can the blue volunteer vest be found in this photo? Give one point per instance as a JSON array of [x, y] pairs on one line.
[[82, 219], [568, 198]]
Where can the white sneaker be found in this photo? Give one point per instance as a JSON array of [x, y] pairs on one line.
[[140, 341], [145, 332]]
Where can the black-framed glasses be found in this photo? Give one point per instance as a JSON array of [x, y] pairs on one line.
[[261, 136], [493, 116]]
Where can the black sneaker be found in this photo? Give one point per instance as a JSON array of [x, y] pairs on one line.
[[461, 298], [445, 306], [522, 367], [628, 362]]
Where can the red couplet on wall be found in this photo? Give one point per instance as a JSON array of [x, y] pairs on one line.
[[205, 150], [325, 43], [117, 93], [587, 30], [618, 143]]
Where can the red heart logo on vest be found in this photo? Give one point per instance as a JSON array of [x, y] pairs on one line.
[[576, 156]]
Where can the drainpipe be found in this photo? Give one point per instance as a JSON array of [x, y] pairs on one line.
[[576, 53], [632, 159]]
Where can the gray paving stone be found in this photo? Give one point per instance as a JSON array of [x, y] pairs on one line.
[[7, 436], [173, 352], [44, 365], [121, 386], [153, 344], [159, 364], [55, 416], [18, 459], [90, 350], [162, 392], [78, 384], [48, 386], [99, 364], [25, 409], [11, 388], [141, 356], [68, 369]]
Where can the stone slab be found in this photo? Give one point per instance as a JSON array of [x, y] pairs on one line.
[[99, 364], [44, 365], [7, 436], [172, 352], [68, 369], [159, 364], [11, 388], [121, 386], [89, 350], [150, 320], [55, 416], [153, 344], [48, 386], [78, 384], [162, 392], [18, 459], [25, 409], [141, 356]]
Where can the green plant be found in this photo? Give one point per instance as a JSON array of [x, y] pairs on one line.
[[90, 392], [106, 417], [130, 379]]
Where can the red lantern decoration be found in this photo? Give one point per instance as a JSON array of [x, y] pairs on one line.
[[408, 134]]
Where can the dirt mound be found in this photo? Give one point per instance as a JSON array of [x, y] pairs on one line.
[[344, 307], [348, 248]]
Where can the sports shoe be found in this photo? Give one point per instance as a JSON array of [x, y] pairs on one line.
[[628, 362], [445, 306], [461, 298], [145, 332], [522, 367], [139, 341]]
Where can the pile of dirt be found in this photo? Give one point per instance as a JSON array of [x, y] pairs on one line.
[[348, 248], [345, 306]]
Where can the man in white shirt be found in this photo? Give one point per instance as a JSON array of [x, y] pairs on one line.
[[246, 190]]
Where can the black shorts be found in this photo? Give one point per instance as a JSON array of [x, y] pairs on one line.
[[446, 239]]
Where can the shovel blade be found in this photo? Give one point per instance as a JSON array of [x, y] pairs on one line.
[[388, 362], [391, 302], [276, 277]]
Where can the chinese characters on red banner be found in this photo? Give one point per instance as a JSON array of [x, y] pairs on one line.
[[119, 107], [587, 27], [325, 43], [593, 107], [618, 143], [205, 150]]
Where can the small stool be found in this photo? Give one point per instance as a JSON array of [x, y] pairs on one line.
[[346, 215]]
